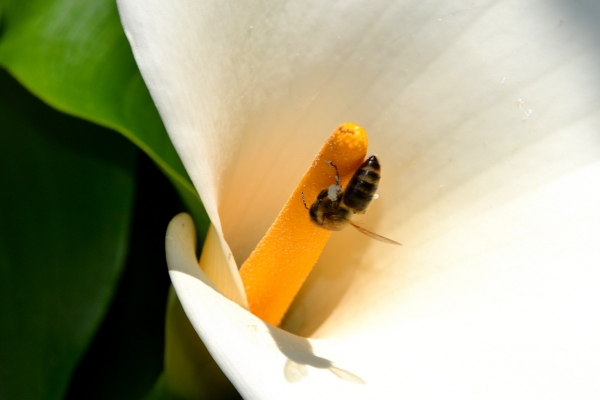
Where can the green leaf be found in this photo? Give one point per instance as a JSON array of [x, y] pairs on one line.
[[65, 209], [126, 355], [74, 55], [161, 391]]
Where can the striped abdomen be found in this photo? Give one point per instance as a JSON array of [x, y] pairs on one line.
[[363, 186]]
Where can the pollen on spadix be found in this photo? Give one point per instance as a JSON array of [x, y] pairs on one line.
[[282, 260]]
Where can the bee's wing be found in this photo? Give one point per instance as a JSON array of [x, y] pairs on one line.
[[374, 235]]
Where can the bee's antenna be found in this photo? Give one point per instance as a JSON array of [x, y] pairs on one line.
[[337, 173], [304, 201]]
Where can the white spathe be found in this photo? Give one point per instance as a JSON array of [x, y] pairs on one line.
[[485, 116]]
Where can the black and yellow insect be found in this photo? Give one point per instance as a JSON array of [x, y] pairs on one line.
[[334, 207]]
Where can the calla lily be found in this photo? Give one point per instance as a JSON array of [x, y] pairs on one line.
[[486, 118]]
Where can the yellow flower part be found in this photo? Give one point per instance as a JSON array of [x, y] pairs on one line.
[[277, 268]]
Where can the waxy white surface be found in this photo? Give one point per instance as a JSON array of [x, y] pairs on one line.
[[485, 116]]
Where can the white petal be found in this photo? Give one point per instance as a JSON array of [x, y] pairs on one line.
[[190, 372], [261, 360], [485, 118], [217, 263]]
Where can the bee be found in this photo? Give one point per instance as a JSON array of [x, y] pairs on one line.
[[334, 207]]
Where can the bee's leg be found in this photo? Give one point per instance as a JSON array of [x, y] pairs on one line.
[[337, 174], [304, 201], [334, 190]]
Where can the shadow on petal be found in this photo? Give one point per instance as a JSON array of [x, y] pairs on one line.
[[231, 334], [300, 355]]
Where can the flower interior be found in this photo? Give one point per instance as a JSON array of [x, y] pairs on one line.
[[276, 269]]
